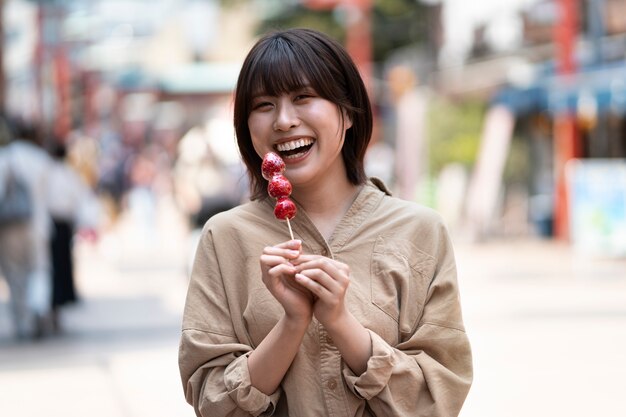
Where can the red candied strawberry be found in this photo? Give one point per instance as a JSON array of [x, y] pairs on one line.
[[279, 186], [285, 209], [272, 164]]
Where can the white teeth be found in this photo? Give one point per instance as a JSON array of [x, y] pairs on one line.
[[294, 144], [294, 156]]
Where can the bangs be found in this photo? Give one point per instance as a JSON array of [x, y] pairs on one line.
[[285, 68]]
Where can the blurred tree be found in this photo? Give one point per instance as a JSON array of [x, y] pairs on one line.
[[517, 168], [395, 23], [454, 132], [2, 75]]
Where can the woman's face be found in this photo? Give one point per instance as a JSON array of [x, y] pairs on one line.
[[306, 130]]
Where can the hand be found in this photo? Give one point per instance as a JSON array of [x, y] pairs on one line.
[[278, 273], [328, 281], [88, 234]]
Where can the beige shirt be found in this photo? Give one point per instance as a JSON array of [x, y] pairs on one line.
[[403, 290]]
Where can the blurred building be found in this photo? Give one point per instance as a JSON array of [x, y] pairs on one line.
[[564, 85], [131, 77], [71, 63]]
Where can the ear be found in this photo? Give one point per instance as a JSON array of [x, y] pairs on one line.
[[347, 120]]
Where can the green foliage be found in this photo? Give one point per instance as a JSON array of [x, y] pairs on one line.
[[298, 16], [517, 168], [395, 23], [232, 3], [454, 131]]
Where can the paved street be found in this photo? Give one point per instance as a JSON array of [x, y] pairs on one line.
[[118, 354], [548, 329]]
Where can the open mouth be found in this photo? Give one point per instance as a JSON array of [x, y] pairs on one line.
[[295, 148]]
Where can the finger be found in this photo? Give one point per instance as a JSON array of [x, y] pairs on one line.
[[276, 273], [282, 269], [337, 283], [294, 244], [272, 260], [307, 258], [285, 253], [335, 269], [313, 285]]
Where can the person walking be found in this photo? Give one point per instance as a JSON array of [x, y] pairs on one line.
[[360, 314], [72, 207], [24, 251]]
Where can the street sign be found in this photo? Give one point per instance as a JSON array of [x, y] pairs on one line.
[[597, 200]]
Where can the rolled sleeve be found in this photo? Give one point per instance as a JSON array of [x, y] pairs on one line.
[[378, 372], [244, 394]]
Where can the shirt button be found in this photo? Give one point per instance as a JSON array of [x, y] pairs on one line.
[[328, 340], [332, 385], [324, 252]]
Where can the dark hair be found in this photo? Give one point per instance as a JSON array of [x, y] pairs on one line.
[[27, 130], [284, 61], [58, 150]]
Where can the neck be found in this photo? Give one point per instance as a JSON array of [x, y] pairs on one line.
[[326, 206]]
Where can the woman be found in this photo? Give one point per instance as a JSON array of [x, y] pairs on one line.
[[358, 316]]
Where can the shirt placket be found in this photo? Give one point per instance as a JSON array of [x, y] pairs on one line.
[[330, 367], [330, 361], [335, 393]]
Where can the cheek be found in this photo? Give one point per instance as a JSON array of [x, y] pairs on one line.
[[330, 117], [253, 125], [260, 121], [257, 129]]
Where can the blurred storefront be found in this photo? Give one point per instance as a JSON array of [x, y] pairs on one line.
[[581, 95], [130, 78], [566, 89]]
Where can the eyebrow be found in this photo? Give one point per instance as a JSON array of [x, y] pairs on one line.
[[306, 86]]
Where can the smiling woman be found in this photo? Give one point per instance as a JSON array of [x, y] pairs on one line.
[[302, 62], [361, 311]]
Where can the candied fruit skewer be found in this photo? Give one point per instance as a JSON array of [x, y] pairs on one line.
[[285, 209], [279, 187], [272, 164]]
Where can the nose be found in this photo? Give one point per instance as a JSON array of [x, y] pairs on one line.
[[286, 117]]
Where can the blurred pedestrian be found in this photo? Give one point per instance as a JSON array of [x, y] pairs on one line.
[[71, 205], [360, 315], [24, 251], [209, 176]]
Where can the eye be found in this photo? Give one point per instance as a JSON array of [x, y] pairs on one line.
[[261, 105], [304, 95]]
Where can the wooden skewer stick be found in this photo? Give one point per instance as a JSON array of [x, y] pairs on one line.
[[290, 231]]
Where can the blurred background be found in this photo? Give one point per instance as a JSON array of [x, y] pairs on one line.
[[508, 117]]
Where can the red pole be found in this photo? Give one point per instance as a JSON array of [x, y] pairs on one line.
[[565, 36], [2, 74], [90, 112], [358, 31], [63, 116], [359, 38], [566, 139], [38, 63]]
